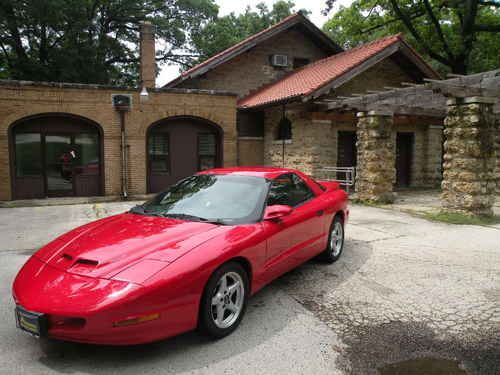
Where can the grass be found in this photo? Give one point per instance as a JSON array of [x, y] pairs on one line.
[[461, 218]]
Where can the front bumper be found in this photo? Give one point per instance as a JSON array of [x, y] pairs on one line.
[[95, 302]]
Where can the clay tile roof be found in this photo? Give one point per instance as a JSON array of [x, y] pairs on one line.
[[240, 47], [308, 79]]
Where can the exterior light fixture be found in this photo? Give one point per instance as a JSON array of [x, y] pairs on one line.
[[144, 95]]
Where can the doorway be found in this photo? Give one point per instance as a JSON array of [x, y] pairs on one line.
[[404, 158], [180, 147], [56, 156]]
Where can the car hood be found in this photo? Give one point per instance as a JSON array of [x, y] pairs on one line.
[[113, 247]]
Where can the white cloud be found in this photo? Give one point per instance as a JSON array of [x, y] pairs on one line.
[[169, 72]]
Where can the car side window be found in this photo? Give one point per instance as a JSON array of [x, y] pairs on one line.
[[288, 189]]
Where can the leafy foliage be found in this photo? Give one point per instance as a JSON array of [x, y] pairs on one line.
[[93, 41], [457, 36], [231, 29]]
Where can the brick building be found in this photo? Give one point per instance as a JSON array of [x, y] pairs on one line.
[[60, 139], [315, 70]]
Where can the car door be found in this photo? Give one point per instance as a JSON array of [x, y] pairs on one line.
[[296, 237]]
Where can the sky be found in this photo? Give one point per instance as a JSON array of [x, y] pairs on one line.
[[169, 72]]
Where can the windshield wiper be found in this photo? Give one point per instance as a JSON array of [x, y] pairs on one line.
[[139, 209], [194, 218]]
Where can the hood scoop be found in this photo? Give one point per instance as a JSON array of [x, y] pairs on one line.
[[80, 261], [88, 262], [83, 266]]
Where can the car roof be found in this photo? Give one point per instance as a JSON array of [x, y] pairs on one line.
[[264, 172]]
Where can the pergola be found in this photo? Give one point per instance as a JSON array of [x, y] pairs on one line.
[[471, 111]]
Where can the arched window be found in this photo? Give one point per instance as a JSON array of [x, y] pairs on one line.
[[284, 130]]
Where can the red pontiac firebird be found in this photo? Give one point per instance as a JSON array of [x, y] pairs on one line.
[[190, 257]]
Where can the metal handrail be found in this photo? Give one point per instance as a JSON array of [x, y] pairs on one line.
[[349, 175]]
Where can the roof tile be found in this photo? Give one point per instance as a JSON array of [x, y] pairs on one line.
[[311, 77]]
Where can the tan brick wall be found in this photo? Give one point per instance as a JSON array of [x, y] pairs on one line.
[[252, 69], [250, 151], [95, 104]]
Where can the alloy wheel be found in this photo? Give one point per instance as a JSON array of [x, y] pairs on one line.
[[227, 300]]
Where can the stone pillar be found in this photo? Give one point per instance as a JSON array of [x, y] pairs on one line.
[[376, 172], [147, 57], [469, 156]]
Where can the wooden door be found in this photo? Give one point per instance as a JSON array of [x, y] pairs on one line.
[[178, 149]]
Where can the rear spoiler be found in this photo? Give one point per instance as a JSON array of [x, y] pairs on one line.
[[329, 185]]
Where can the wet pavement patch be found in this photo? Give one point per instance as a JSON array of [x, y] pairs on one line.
[[428, 366], [388, 349]]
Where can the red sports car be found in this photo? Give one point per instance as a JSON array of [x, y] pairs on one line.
[[190, 257]]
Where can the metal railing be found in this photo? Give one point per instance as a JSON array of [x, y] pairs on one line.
[[345, 176]]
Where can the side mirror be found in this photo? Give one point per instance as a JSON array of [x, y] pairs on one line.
[[276, 212]]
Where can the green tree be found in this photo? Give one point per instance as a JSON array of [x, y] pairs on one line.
[[228, 30], [461, 36], [93, 41]]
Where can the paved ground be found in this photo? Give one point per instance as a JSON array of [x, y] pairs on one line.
[[405, 288]]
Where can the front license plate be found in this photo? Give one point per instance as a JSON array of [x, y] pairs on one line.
[[31, 322]]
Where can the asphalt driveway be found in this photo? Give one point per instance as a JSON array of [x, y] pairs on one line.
[[405, 289]]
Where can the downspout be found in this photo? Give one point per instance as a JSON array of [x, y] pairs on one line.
[[283, 139], [122, 109], [124, 156]]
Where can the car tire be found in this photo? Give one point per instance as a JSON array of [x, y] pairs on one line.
[[335, 244], [224, 300]]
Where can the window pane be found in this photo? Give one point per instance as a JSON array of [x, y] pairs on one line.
[[158, 150], [28, 161], [280, 191], [207, 162], [87, 153], [60, 159], [289, 190], [206, 145], [158, 144]]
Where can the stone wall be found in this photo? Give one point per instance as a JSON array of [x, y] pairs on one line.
[[315, 136], [94, 103], [497, 173], [250, 151], [433, 164], [469, 180], [311, 146], [252, 69], [376, 157]]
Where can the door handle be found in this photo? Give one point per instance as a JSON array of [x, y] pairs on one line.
[[320, 212]]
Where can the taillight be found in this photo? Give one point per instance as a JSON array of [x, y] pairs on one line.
[[136, 320]]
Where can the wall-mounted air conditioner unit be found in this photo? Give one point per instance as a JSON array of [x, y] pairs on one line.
[[279, 60]]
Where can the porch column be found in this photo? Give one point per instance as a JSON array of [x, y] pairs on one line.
[[469, 156], [376, 172]]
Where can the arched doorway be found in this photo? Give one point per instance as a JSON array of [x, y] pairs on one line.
[[180, 146], [56, 155]]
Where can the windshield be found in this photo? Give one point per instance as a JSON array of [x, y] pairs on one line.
[[223, 199]]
